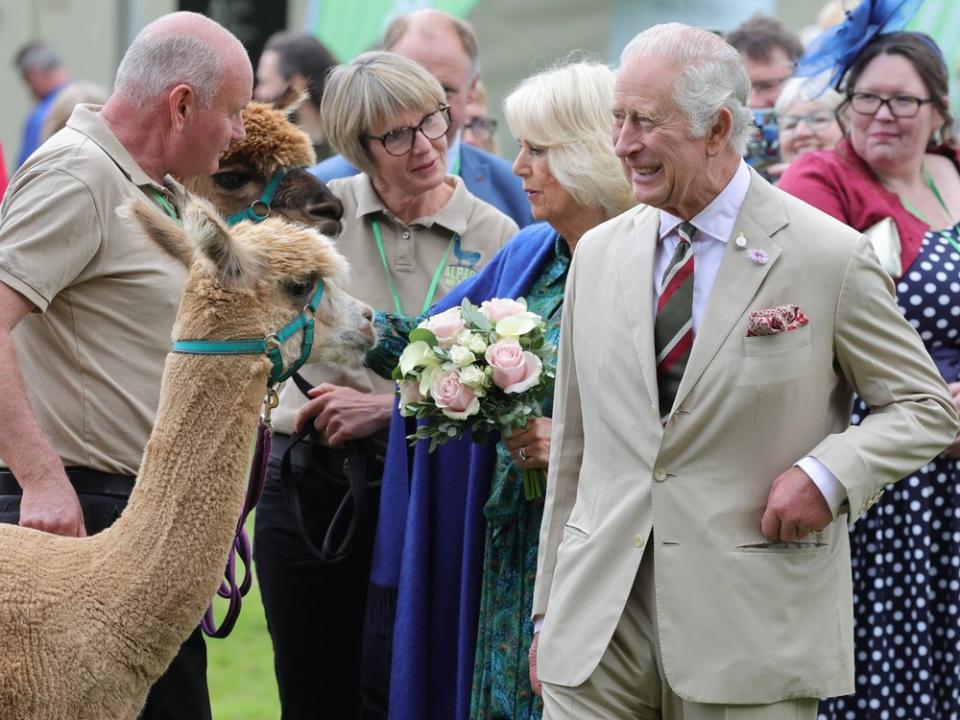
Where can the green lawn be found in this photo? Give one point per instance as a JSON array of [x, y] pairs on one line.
[[240, 667]]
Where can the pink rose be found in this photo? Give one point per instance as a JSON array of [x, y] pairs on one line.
[[514, 370], [445, 326], [409, 393], [497, 309], [457, 401]]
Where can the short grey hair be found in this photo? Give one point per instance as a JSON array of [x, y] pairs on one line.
[[806, 89], [566, 111], [712, 76], [157, 61], [371, 90], [37, 55]]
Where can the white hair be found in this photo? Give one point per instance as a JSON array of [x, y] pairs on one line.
[[807, 89], [157, 61], [566, 111], [712, 76]]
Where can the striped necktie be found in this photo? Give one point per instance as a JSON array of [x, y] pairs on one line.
[[673, 329]]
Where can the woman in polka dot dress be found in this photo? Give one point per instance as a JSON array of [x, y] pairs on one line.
[[899, 163]]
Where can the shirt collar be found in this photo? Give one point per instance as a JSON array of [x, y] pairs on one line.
[[717, 219], [452, 216], [86, 120]]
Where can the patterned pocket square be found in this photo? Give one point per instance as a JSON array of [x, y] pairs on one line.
[[775, 320]]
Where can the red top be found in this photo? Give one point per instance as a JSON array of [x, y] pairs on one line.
[[841, 184]]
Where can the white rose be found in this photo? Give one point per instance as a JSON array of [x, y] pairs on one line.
[[477, 344], [461, 356], [473, 377]]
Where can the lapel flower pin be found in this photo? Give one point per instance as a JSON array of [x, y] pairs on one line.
[[740, 242], [758, 256]]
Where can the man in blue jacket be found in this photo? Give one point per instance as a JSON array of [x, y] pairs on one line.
[[447, 47]]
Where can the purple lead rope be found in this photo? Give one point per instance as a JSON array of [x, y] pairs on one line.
[[240, 548]]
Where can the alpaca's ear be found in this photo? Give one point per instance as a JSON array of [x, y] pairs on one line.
[[160, 228], [181, 196], [291, 100], [211, 236]]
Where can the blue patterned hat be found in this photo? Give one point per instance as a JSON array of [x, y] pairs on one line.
[[831, 54]]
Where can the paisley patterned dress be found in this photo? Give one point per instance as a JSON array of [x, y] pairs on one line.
[[501, 679], [906, 549]]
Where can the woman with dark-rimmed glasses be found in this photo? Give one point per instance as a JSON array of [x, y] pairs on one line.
[[411, 232], [895, 178]]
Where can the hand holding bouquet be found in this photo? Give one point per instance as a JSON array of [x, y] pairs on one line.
[[477, 369]]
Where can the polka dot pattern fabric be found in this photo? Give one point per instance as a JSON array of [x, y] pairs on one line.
[[906, 549]]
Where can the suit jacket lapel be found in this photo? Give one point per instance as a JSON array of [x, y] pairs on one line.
[[738, 279], [636, 284]]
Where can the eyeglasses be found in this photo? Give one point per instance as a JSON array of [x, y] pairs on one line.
[[399, 141], [901, 106], [817, 121], [482, 127]]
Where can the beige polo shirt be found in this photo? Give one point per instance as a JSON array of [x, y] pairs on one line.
[[413, 252], [93, 356]]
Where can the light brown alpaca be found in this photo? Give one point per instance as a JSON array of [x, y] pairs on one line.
[[88, 624]]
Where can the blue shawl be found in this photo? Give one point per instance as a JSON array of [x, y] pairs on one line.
[[430, 534]]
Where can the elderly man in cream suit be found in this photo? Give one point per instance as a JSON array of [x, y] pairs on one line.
[[693, 562]]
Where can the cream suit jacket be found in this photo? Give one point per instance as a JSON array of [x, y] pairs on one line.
[[741, 620]]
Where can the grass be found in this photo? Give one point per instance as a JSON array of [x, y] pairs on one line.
[[240, 666]]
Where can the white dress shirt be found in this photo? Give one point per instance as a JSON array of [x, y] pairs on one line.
[[714, 226]]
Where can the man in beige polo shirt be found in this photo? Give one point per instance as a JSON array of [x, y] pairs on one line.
[[86, 306]]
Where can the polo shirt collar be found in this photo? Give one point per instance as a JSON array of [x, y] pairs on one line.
[[86, 119], [452, 216]]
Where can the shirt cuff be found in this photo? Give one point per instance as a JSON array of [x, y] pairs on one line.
[[828, 485], [537, 624]]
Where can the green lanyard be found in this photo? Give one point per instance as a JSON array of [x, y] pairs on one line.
[[431, 291], [164, 203], [916, 213], [455, 166]]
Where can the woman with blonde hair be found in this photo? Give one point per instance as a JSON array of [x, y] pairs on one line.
[[457, 541]]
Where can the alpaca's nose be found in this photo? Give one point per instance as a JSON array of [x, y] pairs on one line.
[[367, 313], [327, 208]]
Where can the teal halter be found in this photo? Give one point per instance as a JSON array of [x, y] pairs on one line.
[[269, 346], [259, 209]]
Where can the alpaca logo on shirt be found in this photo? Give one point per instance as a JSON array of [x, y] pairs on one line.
[[463, 265]]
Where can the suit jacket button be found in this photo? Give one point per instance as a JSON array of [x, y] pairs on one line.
[[659, 474], [639, 541]]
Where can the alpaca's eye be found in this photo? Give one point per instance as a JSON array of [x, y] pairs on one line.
[[231, 180], [299, 291]]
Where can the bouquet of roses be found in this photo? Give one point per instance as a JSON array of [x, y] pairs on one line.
[[477, 369]]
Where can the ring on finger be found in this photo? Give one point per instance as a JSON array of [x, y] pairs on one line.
[[522, 455]]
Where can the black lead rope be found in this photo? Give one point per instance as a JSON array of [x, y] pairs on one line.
[[352, 512]]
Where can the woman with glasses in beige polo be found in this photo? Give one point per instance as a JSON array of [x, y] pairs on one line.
[[411, 232], [895, 178]]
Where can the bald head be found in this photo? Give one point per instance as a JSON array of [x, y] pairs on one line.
[[180, 90], [447, 47], [181, 48]]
